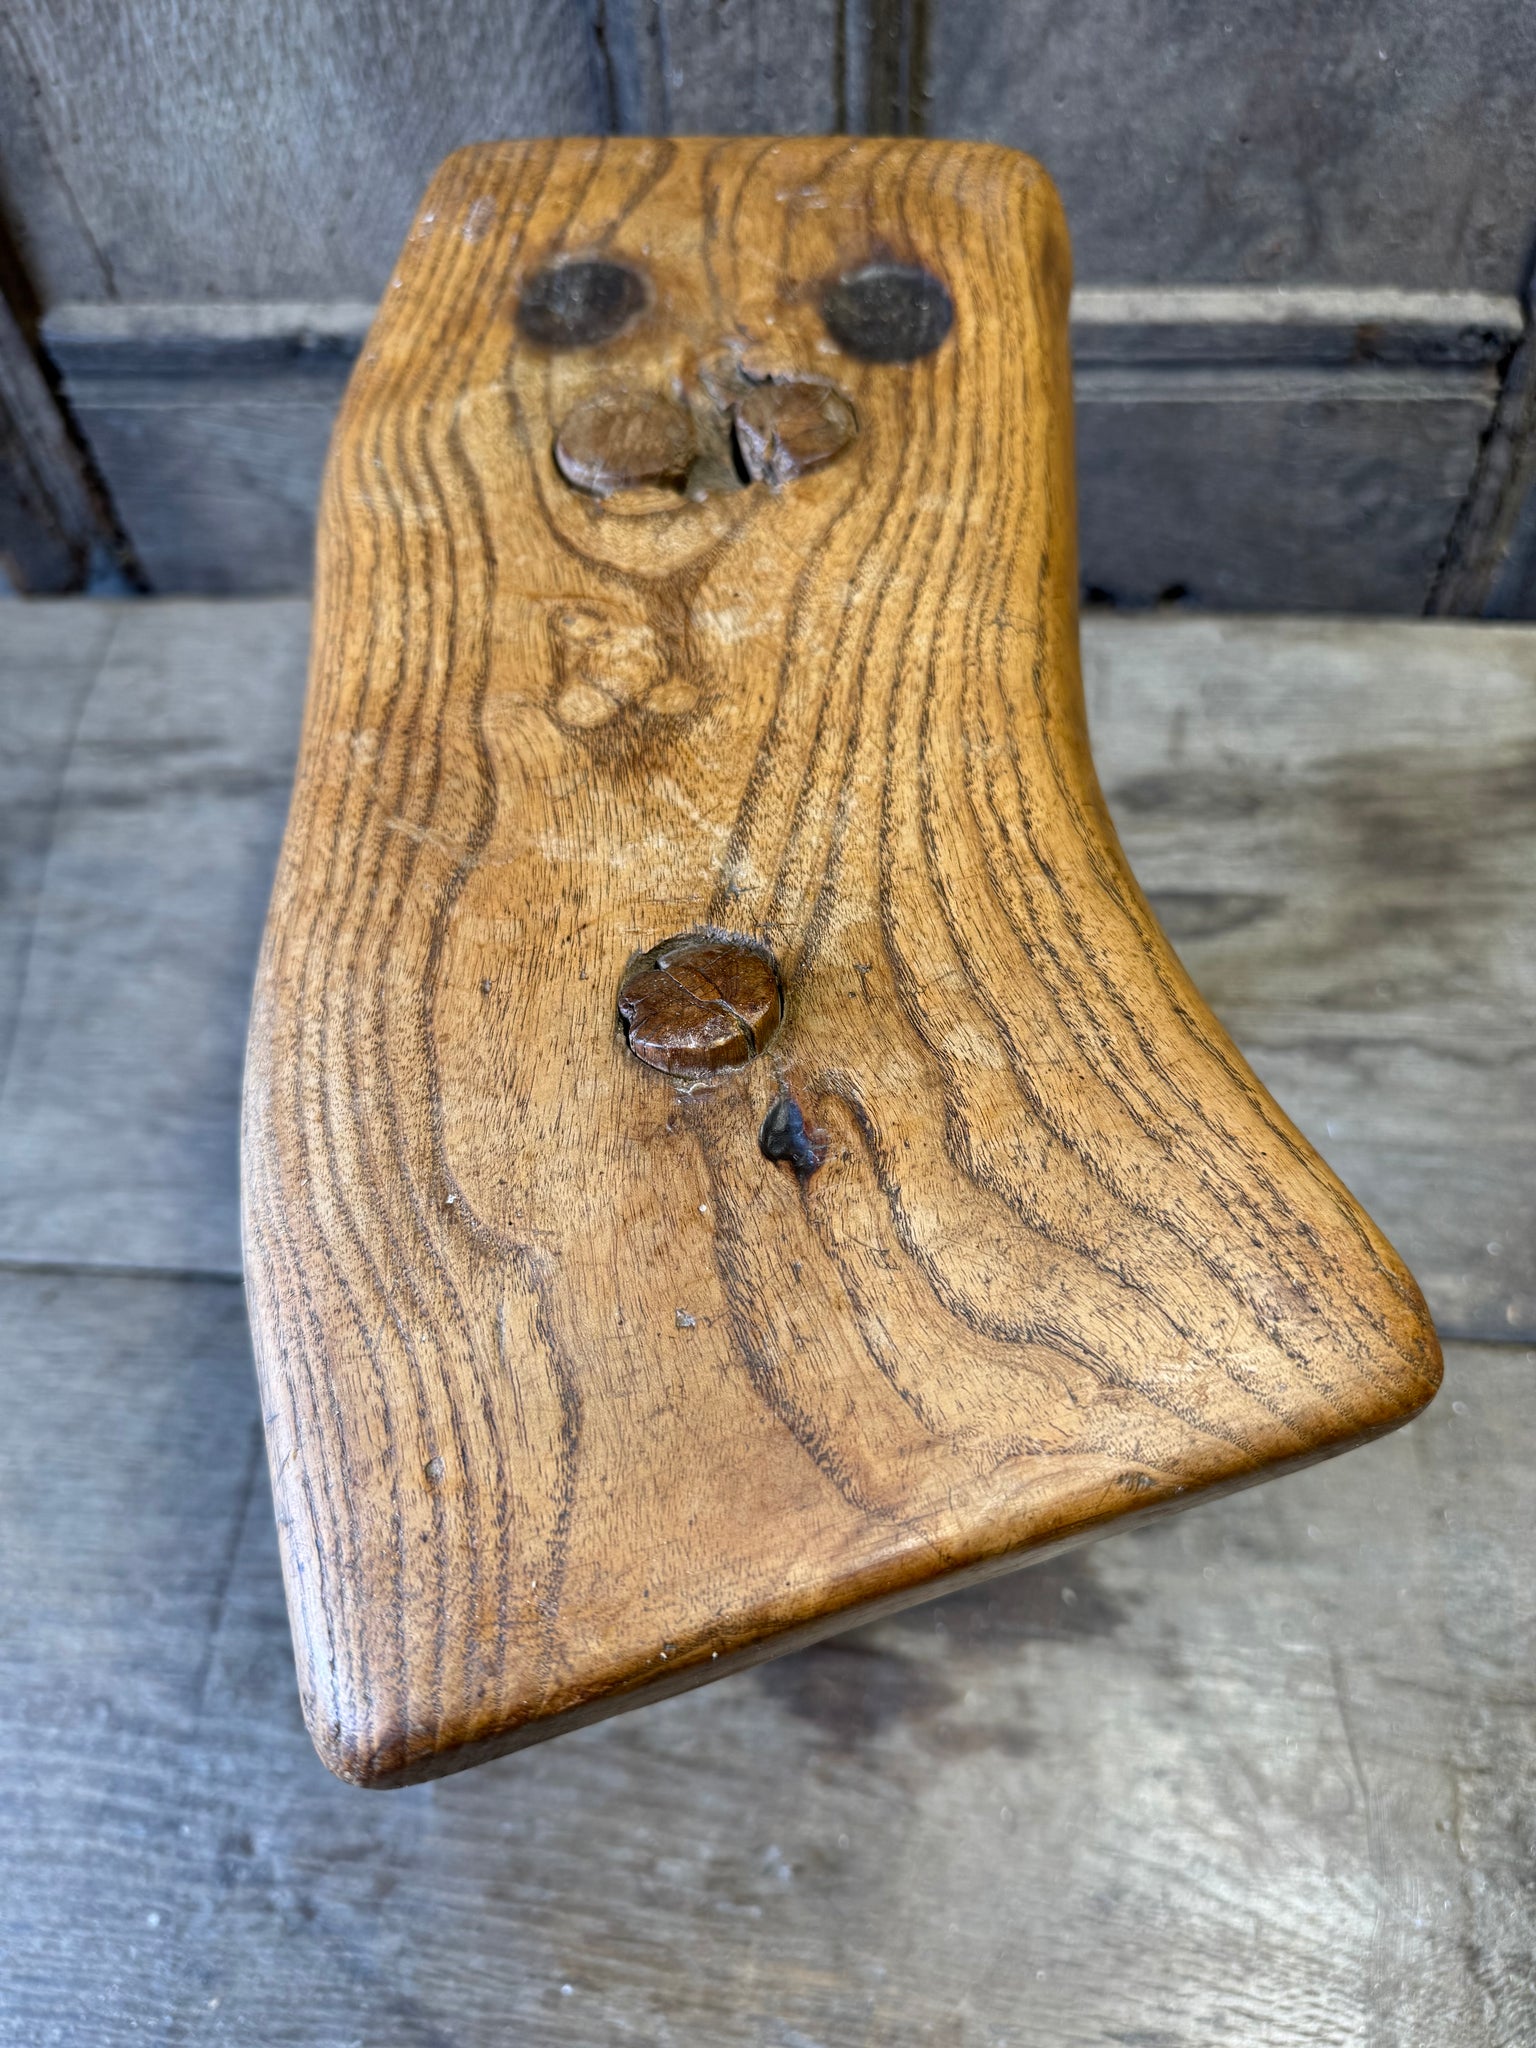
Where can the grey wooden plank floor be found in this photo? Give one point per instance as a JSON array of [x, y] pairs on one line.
[[1263, 1774]]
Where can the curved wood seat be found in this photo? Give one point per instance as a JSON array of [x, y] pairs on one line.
[[727, 1144]]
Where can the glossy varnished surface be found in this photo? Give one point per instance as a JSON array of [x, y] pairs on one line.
[[573, 1396]]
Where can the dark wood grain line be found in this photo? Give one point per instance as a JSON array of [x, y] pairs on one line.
[[335, 969]]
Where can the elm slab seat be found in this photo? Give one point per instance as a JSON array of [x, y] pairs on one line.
[[727, 1147]]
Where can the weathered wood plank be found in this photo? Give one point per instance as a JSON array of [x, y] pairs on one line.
[[1266, 327], [273, 151], [211, 423], [814, 67], [1261, 142], [1514, 593], [1404, 1024], [1391, 154], [1491, 564], [690, 67], [1335, 824], [118, 1117], [1263, 1773], [1258, 145], [1284, 488], [49, 658], [217, 481], [42, 221]]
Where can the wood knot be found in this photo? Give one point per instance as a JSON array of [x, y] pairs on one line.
[[606, 664], [700, 1002], [784, 1137]]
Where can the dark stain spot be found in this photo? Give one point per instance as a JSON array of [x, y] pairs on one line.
[[1042, 1602], [784, 1137], [888, 312], [1368, 339], [853, 1691], [1202, 796], [951, 1739], [579, 303], [1210, 913]]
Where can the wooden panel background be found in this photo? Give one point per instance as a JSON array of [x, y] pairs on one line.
[[182, 153], [268, 149], [1384, 143]]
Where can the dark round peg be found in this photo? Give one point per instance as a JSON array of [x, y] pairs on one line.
[[888, 312], [578, 303], [700, 1002], [619, 440], [788, 426]]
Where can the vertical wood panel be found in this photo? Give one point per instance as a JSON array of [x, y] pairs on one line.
[[275, 148], [41, 219], [1219, 449], [727, 67], [1491, 563], [1385, 143]]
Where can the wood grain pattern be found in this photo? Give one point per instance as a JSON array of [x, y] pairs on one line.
[[691, 67], [274, 150], [574, 1399], [1339, 852], [1260, 1773]]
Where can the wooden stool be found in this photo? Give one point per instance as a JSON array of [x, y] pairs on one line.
[[728, 1148]]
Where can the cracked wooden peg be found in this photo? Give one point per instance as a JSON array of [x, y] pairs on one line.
[[588, 1377]]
